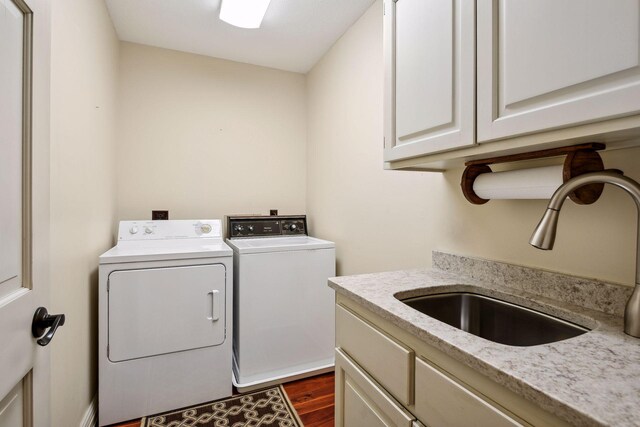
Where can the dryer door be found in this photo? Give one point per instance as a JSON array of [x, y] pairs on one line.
[[163, 310]]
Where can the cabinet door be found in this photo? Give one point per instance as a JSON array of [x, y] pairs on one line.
[[429, 91], [549, 64], [443, 402], [361, 402]]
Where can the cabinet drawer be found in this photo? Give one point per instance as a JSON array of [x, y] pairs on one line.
[[443, 402], [386, 360], [361, 402]]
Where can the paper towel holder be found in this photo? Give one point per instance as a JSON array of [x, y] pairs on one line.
[[581, 159]]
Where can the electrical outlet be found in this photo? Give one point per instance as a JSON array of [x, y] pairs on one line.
[[159, 215]]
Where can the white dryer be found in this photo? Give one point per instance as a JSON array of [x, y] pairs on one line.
[[284, 326], [165, 298]]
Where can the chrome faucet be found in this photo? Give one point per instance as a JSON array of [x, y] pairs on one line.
[[545, 233]]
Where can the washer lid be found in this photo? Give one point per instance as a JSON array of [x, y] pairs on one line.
[[278, 244]]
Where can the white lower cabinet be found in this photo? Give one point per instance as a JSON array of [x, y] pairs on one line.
[[443, 402], [361, 402], [391, 365], [386, 377]]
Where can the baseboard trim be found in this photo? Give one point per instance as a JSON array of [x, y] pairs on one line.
[[90, 418]]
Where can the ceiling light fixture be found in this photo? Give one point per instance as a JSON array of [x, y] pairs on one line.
[[244, 13]]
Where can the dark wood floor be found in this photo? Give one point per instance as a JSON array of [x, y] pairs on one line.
[[312, 398]]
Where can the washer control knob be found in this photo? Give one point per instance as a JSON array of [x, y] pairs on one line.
[[293, 227], [239, 228], [148, 230], [133, 230], [205, 228], [250, 228]]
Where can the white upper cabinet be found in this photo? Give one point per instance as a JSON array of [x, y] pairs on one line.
[[471, 79], [548, 64], [429, 76]]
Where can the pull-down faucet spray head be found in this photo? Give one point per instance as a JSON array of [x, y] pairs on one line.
[[544, 236], [545, 233]]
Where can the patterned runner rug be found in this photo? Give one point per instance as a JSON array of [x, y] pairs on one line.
[[268, 407]]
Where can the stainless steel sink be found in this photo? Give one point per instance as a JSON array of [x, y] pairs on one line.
[[495, 320]]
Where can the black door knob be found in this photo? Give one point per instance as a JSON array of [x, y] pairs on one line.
[[43, 320]]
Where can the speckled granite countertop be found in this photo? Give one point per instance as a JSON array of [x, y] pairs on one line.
[[592, 379]]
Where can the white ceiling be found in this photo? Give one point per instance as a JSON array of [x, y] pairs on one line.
[[294, 34]]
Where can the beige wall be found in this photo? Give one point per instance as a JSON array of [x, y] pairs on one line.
[[206, 137], [377, 218], [137, 128], [385, 220], [84, 77]]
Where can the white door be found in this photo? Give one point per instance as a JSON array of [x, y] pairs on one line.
[[429, 53], [24, 209], [548, 64]]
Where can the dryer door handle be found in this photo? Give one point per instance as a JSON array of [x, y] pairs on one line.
[[215, 305]]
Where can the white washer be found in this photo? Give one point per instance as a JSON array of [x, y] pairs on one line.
[[284, 326], [164, 318]]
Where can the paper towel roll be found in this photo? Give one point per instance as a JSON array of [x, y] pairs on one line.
[[534, 183]]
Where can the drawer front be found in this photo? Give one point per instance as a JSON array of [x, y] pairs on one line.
[[361, 402], [443, 402], [389, 362]]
